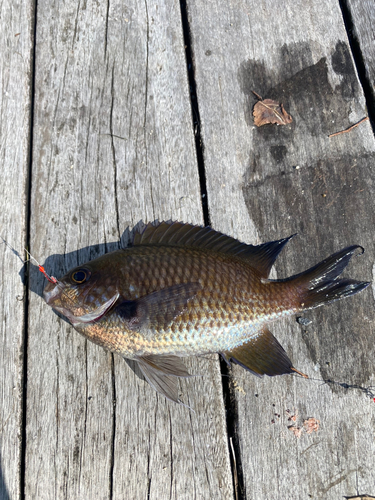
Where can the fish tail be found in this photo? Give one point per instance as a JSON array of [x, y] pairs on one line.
[[320, 284]]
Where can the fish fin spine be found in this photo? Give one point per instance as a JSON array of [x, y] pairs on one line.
[[162, 373], [260, 257], [262, 355]]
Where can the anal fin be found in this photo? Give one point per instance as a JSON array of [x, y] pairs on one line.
[[262, 355]]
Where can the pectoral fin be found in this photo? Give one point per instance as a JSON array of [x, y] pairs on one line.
[[162, 373], [262, 355]]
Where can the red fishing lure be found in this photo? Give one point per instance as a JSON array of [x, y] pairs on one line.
[[51, 279]]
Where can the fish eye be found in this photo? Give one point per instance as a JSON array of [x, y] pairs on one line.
[[80, 276]]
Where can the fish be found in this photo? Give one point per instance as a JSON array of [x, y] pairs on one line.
[[183, 290]]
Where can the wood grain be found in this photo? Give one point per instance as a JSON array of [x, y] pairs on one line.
[[269, 182], [363, 19], [16, 42], [113, 144]]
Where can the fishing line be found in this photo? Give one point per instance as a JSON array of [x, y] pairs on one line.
[[51, 279], [368, 391]]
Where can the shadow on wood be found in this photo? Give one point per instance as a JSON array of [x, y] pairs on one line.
[[4, 495]]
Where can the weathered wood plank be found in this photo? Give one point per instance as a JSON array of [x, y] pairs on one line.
[[113, 144], [270, 182], [363, 18], [16, 42]]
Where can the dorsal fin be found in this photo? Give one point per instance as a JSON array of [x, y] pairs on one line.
[[260, 257]]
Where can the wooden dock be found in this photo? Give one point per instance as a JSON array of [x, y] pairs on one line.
[[116, 112]]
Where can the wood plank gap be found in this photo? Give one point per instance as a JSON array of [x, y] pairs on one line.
[[229, 400], [113, 427], [195, 110], [358, 60], [231, 412], [27, 266]]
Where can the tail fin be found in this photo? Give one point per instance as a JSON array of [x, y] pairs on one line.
[[320, 284]]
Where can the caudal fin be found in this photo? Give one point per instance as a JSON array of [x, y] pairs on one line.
[[320, 284]]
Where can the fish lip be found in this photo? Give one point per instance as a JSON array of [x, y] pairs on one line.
[[95, 315], [51, 292]]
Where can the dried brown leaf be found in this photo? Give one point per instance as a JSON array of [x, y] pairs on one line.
[[270, 111]]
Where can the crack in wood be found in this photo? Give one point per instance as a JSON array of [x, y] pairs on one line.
[[358, 60], [28, 183], [339, 480], [369, 391], [106, 30], [199, 146], [171, 453], [113, 437], [113, 150], [230, 404]]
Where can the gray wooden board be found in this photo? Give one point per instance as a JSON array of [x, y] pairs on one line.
[[270, 182], [16, 41], [113, 144], [363, 18]]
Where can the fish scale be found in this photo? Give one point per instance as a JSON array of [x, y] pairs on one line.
[[184, 290]]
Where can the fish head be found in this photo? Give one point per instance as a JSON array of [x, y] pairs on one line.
[[86, 293]]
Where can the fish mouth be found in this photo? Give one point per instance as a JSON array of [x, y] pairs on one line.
[[52, 292], [95, 315]]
